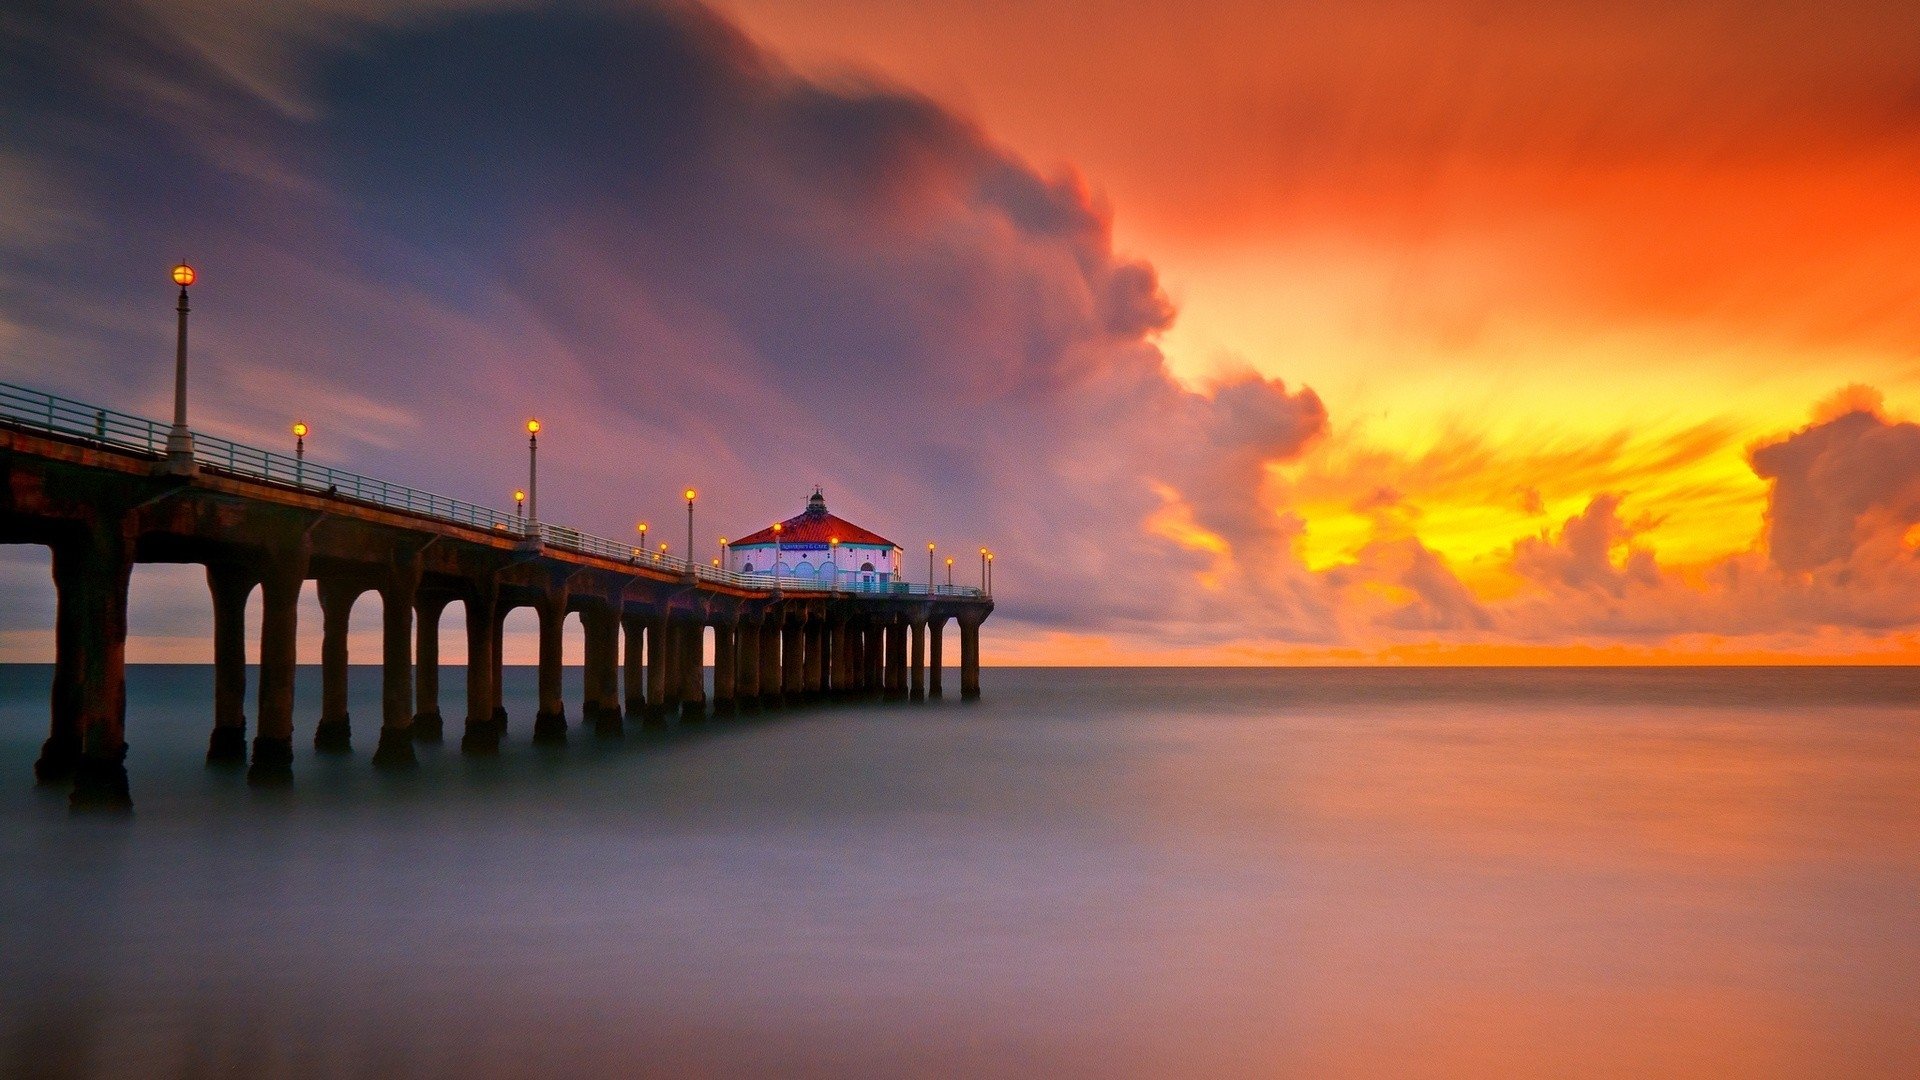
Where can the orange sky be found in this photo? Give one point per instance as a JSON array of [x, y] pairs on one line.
[[1525, 253]]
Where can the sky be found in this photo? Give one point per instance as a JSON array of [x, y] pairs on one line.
[[1414, 332]]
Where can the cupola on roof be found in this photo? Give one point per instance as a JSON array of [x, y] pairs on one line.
[[815, 525]]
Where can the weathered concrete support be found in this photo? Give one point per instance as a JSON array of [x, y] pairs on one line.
[[857, 658], [724, 663], [397, 596], [829, 634], [896, 660], [771, 669], [633, 628], [550, 722], [497, 632], [334, 733], [482, 735], [969, 658], [813, 634], [917, 660], [793, 660], [428, 725], [746, 689], [936, 630], [280, 581], [662, 692], [876, 659], [692, 669], [230, 582], [88, 740], [601, 708], [839, 653]]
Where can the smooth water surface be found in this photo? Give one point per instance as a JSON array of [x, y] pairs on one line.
[[1092, 873]]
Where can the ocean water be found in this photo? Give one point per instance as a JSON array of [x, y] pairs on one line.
[[1091, 873]]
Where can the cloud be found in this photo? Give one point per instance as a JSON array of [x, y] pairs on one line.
[[1837, 483]]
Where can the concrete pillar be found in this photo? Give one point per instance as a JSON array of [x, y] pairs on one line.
[[793, 660], [857, 657], [917, 661], [428, 725], [724, 662], [550, 722], [498, 653], [658, 686], [770, 665], [969, 659], [231, 583], [602, 677], [280, 583], [633, 627], [813, 633], [482, 735], [897, 660], [88, 741], [693, 675], [838, 652], [746, 688], [936, 630], [397, 596], [876, 658], [334, 733], [829, 655]]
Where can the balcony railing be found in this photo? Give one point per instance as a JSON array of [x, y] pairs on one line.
[[21, 407]]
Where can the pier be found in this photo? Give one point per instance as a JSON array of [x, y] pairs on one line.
[[105, 490]]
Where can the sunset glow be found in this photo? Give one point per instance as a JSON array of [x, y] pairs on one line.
[[1329, 334]]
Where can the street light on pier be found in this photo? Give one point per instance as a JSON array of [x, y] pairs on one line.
[[520, 508], [949, 571], [299, 451], [723, 549], [929, 566], [989, 573], [983, 570], [690, 495], [179, 439], [642, 530], [777, 530], [533, 474]]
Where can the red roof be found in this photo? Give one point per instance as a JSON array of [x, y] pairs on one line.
[[815, 526]]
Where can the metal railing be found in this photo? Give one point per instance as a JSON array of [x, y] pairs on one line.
[[21, 407]]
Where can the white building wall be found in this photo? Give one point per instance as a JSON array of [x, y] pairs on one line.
[[843, 560]]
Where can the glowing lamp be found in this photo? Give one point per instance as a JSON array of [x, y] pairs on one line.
[[299, 431], [183, 275], [690, 494], [519, 496], [533, 427]]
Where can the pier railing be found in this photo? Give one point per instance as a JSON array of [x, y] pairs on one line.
[[33, 409]]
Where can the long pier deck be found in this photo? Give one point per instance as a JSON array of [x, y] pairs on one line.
[[99, 488]]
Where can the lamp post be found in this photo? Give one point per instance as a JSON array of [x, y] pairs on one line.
[[983, 570], [520, 508], [949, 571], [929, 568], [179, 439], [989, 573], [833, 559], [533, 475], [642, 530], [723, 550], [690, 495], [299, 452], [663, 551], [777, 529]]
